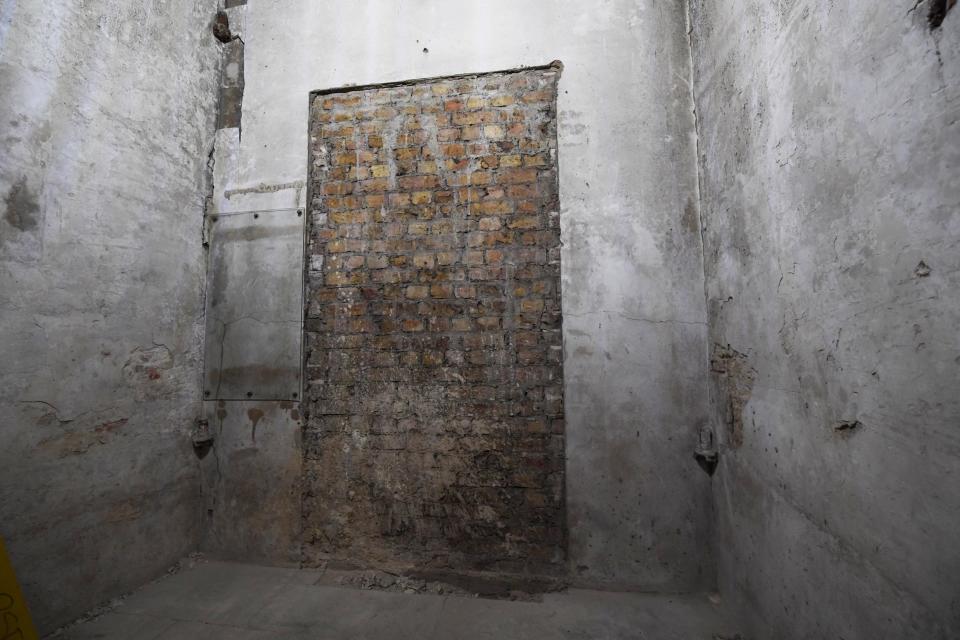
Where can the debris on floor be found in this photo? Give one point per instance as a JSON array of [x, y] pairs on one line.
[[529, 589]]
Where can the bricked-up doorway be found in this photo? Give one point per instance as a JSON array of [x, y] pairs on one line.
[[434, 436]]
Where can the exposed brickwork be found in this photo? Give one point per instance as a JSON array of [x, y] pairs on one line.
[[435, 431]]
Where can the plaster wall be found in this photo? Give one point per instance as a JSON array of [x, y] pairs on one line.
[[829, 142], [634, 318], [108, 113]]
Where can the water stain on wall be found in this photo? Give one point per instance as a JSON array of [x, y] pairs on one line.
[[22, 210]]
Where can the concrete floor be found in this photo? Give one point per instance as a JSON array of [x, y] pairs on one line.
[[216, 600]]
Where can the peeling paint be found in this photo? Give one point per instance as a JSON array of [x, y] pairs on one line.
[[75, 443], [734, 379], [266, 188]]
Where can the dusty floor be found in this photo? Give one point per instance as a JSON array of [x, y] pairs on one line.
[[215, 600]]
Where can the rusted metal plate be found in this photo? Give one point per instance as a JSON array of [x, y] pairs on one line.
[[254, 320]]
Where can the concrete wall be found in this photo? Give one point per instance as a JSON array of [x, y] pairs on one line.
[[829, 141], [634, 316], [108, 113]]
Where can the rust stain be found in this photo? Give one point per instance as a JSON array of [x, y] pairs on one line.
[[261, 373], [74, 443], [255, 416], [144, 367], [123, 511], [111, 426]]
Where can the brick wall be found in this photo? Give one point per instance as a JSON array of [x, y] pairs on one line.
[[434, 363]]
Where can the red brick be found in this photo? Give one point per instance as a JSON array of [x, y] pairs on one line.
[[441, 290], [448, 135], [512, 176], [412, 325], [538, 96], [417, 292], [453, 150], [413, 322]]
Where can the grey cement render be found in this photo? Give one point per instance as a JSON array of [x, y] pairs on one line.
[[633, 305], [107, 119], [829, 143]]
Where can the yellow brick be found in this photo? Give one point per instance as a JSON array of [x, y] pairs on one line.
[[531, 306], [421, 197], [462, 324], [423, 260], [494, 132], [528, 222]]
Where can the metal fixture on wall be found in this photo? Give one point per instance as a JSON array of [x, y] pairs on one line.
[[254, 318]]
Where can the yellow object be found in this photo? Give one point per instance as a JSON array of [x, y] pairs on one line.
[[15, 622]]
